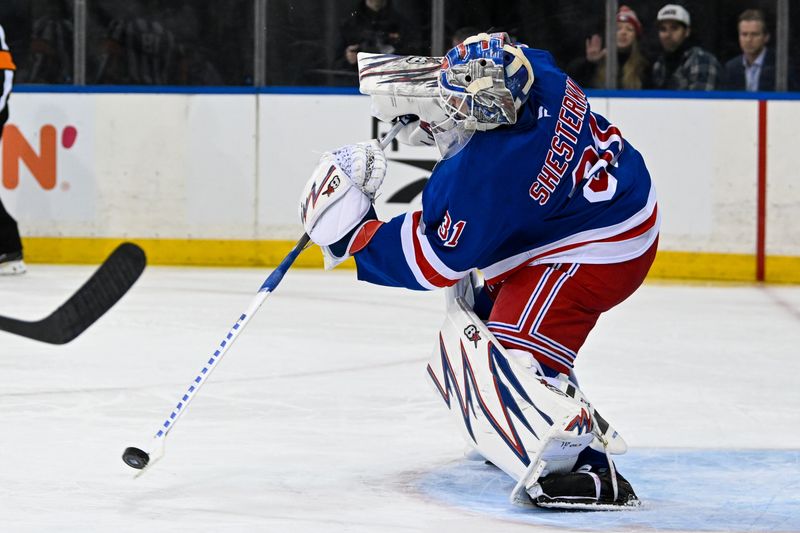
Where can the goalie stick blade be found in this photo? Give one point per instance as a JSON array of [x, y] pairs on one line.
[[107, 285]]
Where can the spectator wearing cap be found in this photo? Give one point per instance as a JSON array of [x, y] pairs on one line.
[[682, 64], [633, 67], [754, 68]]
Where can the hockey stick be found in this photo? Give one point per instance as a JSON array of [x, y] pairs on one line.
[[138, 458], [107, 285]]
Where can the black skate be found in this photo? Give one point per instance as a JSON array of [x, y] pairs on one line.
[[589, 488], [11, 263]]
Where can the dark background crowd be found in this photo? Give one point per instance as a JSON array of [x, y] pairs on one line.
[[313, 42]]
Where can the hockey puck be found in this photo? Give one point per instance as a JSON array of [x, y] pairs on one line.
[[135, 458]]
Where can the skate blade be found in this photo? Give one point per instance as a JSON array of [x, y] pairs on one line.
[[590, 506]]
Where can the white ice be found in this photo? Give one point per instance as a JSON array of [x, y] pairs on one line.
[[320, 419]]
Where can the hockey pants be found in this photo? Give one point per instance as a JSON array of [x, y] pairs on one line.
[[549, 310]]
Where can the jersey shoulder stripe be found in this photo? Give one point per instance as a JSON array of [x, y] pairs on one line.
[[428, 269]]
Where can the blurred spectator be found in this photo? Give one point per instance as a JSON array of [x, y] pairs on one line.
[[682, 65], [175, 42], [138, 49], [10, 244], [754, 68], [374, 26], [462, 33], [633, 67], [346, 66], [50, 59], [559, 27], [192, 66]]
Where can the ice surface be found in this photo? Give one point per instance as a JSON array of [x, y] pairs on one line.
[[320, 419]]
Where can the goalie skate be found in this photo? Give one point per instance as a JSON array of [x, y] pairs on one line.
[[587, 489]]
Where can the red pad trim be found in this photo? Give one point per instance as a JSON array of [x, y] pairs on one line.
[[364, 234]]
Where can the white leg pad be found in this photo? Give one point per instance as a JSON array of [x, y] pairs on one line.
[[510, 416]]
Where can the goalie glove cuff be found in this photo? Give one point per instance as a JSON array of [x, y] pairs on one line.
[[354, 241]]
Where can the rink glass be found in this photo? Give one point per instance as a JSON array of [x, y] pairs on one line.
[[308, 42], [40, 36]]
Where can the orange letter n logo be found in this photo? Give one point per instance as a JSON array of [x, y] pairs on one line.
[[16, 149]]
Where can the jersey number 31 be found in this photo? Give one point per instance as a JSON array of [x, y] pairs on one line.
[[449, 237], [602, 185]]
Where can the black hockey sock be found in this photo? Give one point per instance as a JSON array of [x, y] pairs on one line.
[[9, 234]]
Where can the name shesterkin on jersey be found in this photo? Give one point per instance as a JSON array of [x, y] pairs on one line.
[[504, 202], [564, 142]]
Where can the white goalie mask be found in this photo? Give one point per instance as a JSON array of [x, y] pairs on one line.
[[479, 85], [475, 98], [483, 83]]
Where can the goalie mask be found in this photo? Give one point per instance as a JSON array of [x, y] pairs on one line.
[[479, 85], [483, 82]]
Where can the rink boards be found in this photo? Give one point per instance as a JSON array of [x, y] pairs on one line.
[[213, 179]]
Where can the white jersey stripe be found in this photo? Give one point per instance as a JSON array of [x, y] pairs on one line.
[[435, 262], [407, 239], [606, 252], [591, 251], [426, 261]]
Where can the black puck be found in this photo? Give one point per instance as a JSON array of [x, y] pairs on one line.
[[135, 458]]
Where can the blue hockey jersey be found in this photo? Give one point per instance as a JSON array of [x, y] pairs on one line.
[[559, 186]]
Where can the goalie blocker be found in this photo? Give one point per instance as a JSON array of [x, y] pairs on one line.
[[540, 431]]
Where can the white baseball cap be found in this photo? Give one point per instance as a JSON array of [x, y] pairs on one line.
[[674, 12]]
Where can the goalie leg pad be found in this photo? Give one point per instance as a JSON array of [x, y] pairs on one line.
[[525, 424], [505, 412]]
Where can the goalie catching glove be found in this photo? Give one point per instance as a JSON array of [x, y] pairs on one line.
[[337, 199]]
